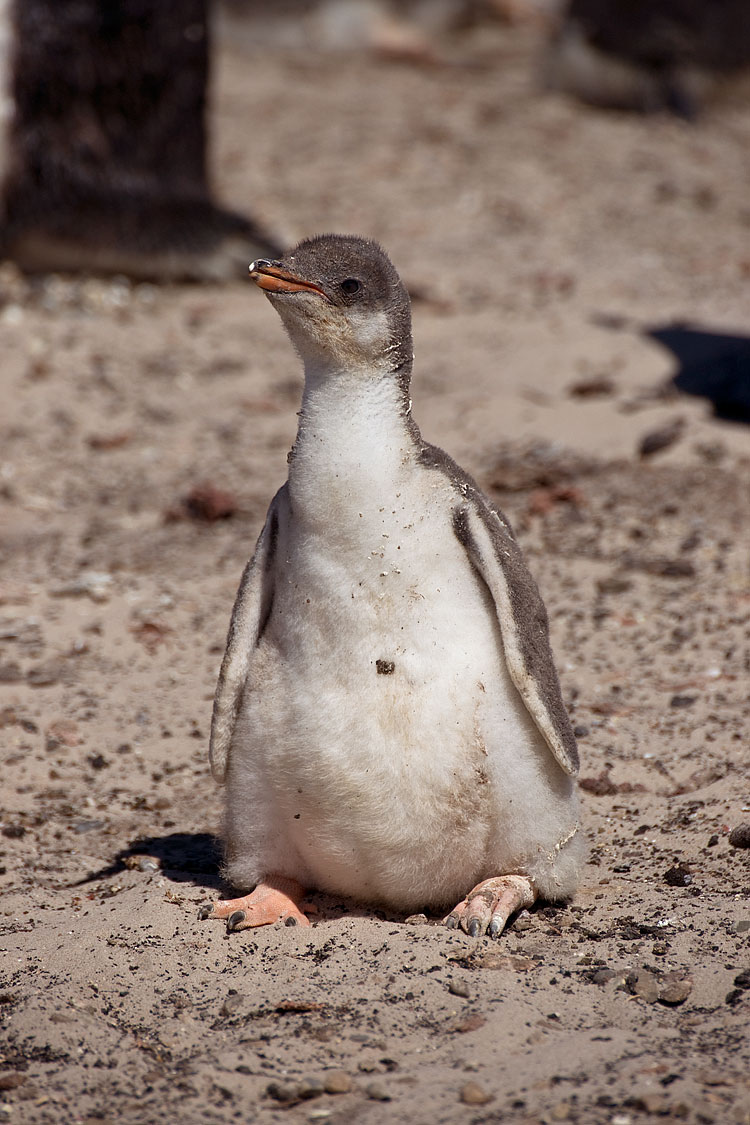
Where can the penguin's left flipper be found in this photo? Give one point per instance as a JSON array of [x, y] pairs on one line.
[[487, 908], [497, 558], [276, 899], [249, 617]]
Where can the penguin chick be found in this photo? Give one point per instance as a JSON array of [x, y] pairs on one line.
[[388, 720]]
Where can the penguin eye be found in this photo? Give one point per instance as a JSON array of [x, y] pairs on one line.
[[350, 286]]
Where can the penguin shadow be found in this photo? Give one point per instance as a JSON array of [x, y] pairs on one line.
[[181, 857], [712, 365]]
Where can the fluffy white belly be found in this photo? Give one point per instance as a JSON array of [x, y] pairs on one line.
[[380, 725]]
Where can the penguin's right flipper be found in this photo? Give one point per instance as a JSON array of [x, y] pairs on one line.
[[249, 617]]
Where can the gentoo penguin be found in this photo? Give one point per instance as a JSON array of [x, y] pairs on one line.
[[103, 142], [388, 721]]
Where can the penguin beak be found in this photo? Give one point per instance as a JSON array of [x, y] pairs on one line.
[[273, 278]]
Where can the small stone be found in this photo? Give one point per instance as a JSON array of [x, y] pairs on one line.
[[644, 985], [62, 731], [712, 841], [148, 863], [282, 1092], [613, 584], [83, 826], [337, 1082], [678, 876], [679, 701], [742, 980], [97, 585], [593, 386], [656, 440], [471, 1093], [653, 1103], [674, 988], [377, 1093], [742, 926], [581, 731], [604, 976], [13, 831], [231, 1005], [310, 1088], [416, 920], [739, 837], [208, 503], [458, 988], [45, 675], [12, 1080]]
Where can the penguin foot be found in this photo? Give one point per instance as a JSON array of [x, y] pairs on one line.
[[274, 900], [487, 908]]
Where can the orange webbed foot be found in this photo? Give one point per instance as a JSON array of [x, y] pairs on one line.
[[487, 908], [276, 899]]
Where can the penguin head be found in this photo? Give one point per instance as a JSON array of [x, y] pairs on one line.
[[342, 303]]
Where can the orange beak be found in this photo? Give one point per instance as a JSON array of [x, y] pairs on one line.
[[275, 279]]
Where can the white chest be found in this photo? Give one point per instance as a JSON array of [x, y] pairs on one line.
[[368, 560]]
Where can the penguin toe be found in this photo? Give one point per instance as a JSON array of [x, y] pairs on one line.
[[274, 900], [487, 907]]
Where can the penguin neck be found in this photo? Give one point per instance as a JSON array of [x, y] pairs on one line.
[[354, 441]]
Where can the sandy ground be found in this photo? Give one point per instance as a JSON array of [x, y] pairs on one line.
[[538, 238]]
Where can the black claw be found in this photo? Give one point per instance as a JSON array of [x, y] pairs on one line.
[[290, 921], [496, 927], [205, 911], [474, 929], [451, 922], [234, 920]]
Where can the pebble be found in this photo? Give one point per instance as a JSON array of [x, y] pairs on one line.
[[416, 920], [471, 1093], [13, 831], [337, 1082], [458, 988], [644, 985], [310, 1088], [742, 980], [377, 1093], [12, 1080], [678, 701], [604, 976], [678, 876], [45, 675], [83, 826], [96, 585], [232, 1004], [656, 440], [674, 988], [282, 1091], [739, 837]]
